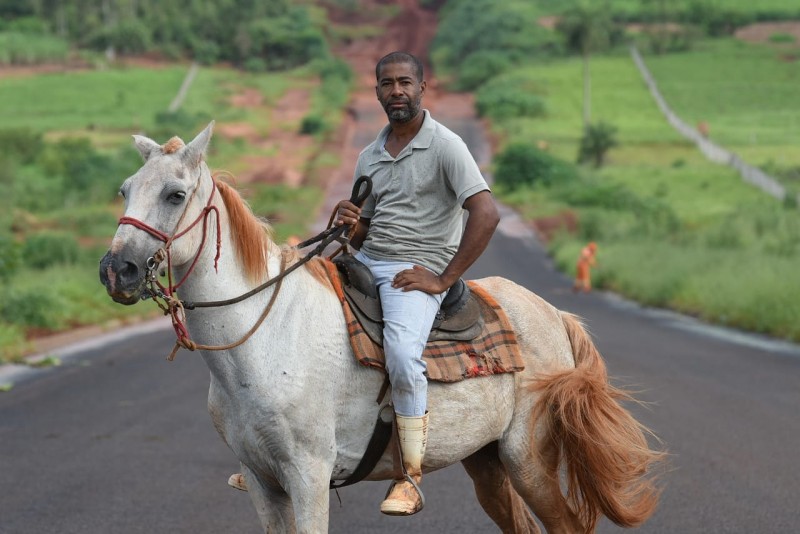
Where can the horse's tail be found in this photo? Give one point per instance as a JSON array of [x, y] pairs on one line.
[[604, 448]]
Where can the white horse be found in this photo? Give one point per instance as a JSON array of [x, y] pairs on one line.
[[298, 411]]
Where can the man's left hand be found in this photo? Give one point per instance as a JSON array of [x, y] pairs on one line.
[[419, 279]]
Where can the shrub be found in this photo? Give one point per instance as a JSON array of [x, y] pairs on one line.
[[21, 144], [127, 37], [254, 64], [50, 248], [30, 307], [9, 257], [85, 172], [205, 52], [480, 67], [596, 141], [285, 41], [521, 164], [311, 124], [502, 98]]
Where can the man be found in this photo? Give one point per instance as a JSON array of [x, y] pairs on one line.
[[586, 260], [409, 233]]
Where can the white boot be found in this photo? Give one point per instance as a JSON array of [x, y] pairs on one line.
[[405, 498]]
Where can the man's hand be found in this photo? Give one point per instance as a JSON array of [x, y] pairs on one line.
[[420, 279], [347, 213]]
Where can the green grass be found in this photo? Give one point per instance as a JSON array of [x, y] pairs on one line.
[[746, 93], [114, 99], [674, 229], [29, 49], [747, 7], [117, 103]]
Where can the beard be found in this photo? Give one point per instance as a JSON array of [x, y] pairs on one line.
[[404, 114]]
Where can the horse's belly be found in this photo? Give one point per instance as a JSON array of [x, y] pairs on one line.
[[463, 417]]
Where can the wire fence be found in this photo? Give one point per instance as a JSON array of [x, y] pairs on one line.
[[710, 150]]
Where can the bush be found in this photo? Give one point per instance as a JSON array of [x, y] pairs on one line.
[[85, 172], [19, 48], [126, 37], [480, 67], [205, 52], [311, 124], [31, 307], [596, 141], [254, 64], [9, 257], [21, 144], [505, 98], [50, 248], [285, 41], [521, 164]]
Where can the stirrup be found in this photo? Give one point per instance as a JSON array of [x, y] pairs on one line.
[[410, 480]]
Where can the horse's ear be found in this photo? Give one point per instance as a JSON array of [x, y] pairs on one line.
[[146, 146], [194, 151]]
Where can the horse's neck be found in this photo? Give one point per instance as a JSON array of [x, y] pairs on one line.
[[225, 278]]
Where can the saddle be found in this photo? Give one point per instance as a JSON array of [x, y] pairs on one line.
[[458, 319]]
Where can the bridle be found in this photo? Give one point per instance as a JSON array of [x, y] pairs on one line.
[[165, 295]]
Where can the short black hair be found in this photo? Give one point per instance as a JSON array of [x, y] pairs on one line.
[[399, 57]]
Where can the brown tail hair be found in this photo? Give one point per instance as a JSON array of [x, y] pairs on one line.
[[605, 450]]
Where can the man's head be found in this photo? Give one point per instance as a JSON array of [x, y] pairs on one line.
[[400, 86]]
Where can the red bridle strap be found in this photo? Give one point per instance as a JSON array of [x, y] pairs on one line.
[[161, 236]]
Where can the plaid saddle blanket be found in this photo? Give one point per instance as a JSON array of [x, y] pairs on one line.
[[494, 351]]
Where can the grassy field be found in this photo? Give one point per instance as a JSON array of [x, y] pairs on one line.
[[673, 229], [746, 93], [107, 106]]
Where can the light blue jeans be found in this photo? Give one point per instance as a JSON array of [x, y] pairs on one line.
[[407, 317]]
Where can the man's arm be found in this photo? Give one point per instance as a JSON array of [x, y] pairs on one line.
[[481, 223]]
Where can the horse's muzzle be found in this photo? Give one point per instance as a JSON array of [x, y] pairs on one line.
[[124, 280]]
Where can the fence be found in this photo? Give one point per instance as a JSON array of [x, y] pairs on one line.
[[711, 150]]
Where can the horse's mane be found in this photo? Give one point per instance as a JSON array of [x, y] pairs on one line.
[[251, 235]]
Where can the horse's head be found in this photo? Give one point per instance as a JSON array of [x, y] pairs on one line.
[[162, 201]]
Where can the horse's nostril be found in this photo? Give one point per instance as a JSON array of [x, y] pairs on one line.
[[128, 272]]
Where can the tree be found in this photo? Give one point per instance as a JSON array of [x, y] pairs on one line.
[[586, 29], [597, 140]]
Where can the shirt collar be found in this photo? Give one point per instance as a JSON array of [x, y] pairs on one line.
[[423, 139]]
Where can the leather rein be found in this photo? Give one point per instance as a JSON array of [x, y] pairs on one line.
[[165, 295]]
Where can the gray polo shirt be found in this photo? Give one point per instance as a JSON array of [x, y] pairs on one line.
[[415, 208]]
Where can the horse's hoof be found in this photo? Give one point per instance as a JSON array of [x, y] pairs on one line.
[[236, 480]]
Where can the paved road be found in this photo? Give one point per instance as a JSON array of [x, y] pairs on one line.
[[117, 440]]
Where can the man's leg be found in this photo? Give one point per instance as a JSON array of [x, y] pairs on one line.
[[408, 317]]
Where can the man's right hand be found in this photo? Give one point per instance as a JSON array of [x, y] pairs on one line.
[[347, 213]]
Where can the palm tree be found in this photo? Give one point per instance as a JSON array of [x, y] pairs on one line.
[[586, 29]]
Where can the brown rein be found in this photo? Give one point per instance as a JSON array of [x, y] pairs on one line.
[[176, 308]]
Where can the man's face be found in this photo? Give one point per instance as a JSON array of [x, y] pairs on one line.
[[399, 91]]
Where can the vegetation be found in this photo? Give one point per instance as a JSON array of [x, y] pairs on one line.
[[674, 230], [66, 135], [270, 34]]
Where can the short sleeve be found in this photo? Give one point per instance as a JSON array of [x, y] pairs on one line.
[[463, 174]]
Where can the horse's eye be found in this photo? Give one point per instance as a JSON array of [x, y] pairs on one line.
[[177, 197]]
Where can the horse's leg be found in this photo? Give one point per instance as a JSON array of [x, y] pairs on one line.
[[496, 494], [532, 462], [273, 505]]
